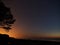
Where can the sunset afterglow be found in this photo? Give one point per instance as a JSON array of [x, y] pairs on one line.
[[34, 19]]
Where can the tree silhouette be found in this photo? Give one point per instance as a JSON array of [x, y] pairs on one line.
[[6, 18]]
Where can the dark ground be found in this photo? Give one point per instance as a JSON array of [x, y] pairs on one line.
[[6, 40]]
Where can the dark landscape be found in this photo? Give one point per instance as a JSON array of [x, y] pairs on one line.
[[38, 18], [6, 40]]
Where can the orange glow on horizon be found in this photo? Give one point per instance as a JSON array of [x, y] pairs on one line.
[[12, 33], [19, 34]]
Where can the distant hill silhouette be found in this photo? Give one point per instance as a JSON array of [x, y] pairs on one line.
[[6, 40]]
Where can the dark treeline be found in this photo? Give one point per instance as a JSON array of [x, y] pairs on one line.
[[6, 40]]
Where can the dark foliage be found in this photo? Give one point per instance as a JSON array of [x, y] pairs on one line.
[[6, 18]]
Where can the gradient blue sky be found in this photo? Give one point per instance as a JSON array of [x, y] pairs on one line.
[[36, 18]]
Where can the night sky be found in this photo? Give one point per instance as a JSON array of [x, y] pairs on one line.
[[34, 18]]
